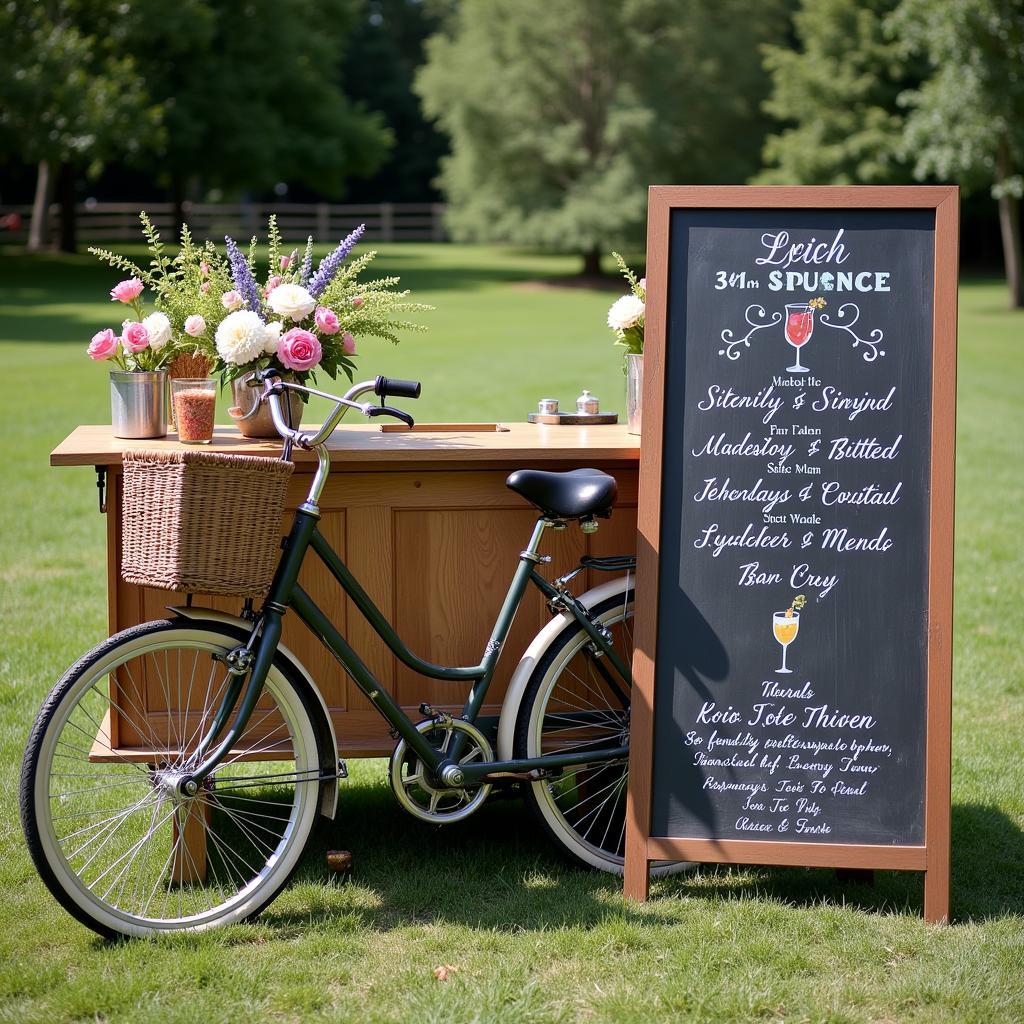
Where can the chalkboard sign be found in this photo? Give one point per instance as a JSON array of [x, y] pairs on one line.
[[791, 702]]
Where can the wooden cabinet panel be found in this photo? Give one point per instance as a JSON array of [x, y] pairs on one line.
[[453, 569]]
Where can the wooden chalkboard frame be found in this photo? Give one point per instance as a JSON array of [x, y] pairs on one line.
[[933, 857]]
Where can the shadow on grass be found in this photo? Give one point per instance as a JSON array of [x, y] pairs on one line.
[[499, 871]]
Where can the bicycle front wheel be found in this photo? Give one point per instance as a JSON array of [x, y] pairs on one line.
[[115, 842]]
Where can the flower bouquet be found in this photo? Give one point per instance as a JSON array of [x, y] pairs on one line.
[[299, 320], [626, 319], [626, 316]]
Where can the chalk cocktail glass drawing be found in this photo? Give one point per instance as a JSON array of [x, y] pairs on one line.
[[785, 627], [799, 326]]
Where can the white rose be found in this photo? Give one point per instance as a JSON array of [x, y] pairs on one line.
[[240, 337], [271, 336], [159, 329], [625, 312], [291, 301]]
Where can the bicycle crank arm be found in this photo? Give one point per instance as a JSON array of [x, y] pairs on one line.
[[474, 773]]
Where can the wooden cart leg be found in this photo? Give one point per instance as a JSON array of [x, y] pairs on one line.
[[190, 824]]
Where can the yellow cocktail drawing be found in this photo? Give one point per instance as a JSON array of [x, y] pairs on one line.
[[785, 626]]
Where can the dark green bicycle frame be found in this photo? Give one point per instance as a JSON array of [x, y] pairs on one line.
[[285, 593]]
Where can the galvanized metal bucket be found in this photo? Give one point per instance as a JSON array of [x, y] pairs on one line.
[[138, 403], [634, 391]]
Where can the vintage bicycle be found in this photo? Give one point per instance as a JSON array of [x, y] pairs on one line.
[[204, 821]]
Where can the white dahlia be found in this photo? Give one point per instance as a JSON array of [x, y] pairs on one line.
[[241, 337], [625, 313]]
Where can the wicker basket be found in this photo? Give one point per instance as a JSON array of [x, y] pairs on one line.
[[202, 522]]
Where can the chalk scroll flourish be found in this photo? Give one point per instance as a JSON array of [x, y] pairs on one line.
[[731, 345], [871, 350]]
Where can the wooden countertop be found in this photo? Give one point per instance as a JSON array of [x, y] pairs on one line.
[[361, 446]]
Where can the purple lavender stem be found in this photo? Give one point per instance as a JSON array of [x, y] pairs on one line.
[[244, 282], [330, 264]]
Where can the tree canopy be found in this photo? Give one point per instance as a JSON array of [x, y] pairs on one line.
[[966, 120], [72, 87], [881, 91], [560, 115], [240, 94], [835, 93], [251, 95]]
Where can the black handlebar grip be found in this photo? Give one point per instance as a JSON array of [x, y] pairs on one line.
[[391, 386]]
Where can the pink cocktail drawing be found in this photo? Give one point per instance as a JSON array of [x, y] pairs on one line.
[[799, 326]]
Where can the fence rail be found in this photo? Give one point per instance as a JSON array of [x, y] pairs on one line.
[[326, 222]]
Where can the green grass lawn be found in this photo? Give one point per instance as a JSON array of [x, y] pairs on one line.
[[531, 939]]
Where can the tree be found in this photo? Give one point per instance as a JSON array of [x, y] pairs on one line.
[[252, 95], [837, 90], [966, 121], [561, 114], [73, 97]]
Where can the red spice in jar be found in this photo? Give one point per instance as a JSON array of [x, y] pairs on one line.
[[194, 412]]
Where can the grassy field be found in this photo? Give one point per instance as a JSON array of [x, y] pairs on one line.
[[530, 939]]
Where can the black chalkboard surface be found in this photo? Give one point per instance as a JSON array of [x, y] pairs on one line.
[[788, 698]]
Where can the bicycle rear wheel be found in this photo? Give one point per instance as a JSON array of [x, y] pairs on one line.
[[115, 842], [575, 701]]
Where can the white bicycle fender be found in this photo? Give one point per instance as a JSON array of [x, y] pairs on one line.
[[533, 654], [329, 798]]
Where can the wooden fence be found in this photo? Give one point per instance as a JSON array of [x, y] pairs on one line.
[[326, 222]]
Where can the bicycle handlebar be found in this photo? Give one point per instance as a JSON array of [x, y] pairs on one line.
[[274, 387]]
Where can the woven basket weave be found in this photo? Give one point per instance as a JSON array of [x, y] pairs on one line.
[[203, 522]]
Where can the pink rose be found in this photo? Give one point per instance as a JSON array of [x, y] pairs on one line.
[[231, 299], [286, 261], [272, 284], [299, 350], [204, 287], [204, 269], [357, 301], [134, 336], [103, 345], [194, 325], [127, 291], [348, 344], [326, 320]]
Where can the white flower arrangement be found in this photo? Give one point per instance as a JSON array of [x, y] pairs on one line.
[[626, 316]]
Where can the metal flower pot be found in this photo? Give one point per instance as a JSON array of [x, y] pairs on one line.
[[634, 391], [253, 418], [138, 403]]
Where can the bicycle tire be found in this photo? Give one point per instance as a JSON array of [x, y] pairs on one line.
[[223, 799]]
